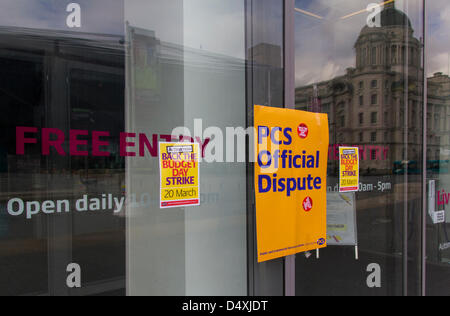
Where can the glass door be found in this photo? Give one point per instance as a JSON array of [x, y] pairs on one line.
[[89, 89], [22, 105], [361, 62], [55, 85], [437, 222], [186, 80]]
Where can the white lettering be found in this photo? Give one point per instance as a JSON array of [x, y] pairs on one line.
[[107, 202], [82, 204], [74, 18], [19, 210], [119, 204], [48, 207], [74, 278], [374, 278], [374, 18], [33, 208]]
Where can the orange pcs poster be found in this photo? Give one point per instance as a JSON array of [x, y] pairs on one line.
[[290, 181]]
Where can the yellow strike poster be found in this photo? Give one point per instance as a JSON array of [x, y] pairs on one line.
[[349, 169], [180, 174], [290, 181]]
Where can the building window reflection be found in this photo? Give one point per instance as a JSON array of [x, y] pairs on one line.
[[374, 56], [374, 84], [373, 154], [394, 54], [374, 117], [374, 99]]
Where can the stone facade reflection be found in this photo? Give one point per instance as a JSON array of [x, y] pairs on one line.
[[380, 100]]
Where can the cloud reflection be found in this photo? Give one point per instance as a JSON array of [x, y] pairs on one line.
[[325, 48], [99, 16]]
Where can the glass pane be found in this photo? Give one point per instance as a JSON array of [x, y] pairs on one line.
[[63, 82], [96, 97], [24, 242], [361, 63], [438, 148], [265, 82], [79, 209], [186, 68]]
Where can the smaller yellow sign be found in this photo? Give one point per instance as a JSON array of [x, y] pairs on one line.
[[180, 174], [349, 169]]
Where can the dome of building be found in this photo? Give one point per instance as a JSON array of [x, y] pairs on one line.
[[390, 16]]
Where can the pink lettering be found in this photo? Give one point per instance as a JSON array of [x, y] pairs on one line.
[[21, 140], [75, 142], [186, 139], [203, 145], [57, 143], [124, 144], [78, 142], [443, 198], [385, 153], [167, 138], [145, 143], [365, 152], [96, 143]]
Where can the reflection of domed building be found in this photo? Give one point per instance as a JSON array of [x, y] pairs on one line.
[[367, 107], [390, 16]]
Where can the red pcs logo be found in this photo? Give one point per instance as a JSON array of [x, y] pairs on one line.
[[307, 204], [302, 131]]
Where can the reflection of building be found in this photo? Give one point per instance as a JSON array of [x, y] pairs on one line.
[[439, 117], [267, 70], [267, 54], [367, 105]]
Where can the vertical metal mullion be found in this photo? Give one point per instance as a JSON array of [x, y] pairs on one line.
[[249, 171], [289, 54], [424, 159], [289, 101], [406, 141]]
